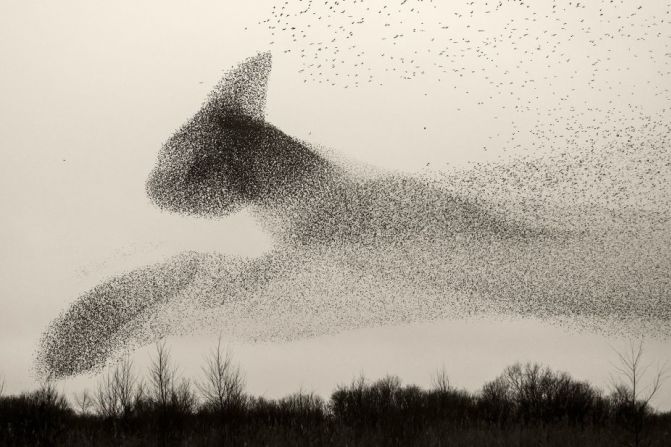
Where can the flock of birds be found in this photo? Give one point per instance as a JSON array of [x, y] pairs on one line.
[[573, 227], [583, 89], [350, 42], [527, 62]]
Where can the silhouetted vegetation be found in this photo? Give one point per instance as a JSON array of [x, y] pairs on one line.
[[527, 404]]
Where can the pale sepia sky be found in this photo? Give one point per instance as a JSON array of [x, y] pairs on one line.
[[90, 91]]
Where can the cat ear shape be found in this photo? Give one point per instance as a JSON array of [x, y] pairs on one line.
[[243, 90]]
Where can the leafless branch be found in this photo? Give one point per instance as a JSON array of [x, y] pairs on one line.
[[224, 383], [116, 393], [441, 380], [162, 375], [84, 402]]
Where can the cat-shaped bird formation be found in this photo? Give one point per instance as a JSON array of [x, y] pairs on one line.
[[351, 249]]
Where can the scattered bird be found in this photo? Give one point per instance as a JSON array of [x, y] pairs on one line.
[[540, 62]]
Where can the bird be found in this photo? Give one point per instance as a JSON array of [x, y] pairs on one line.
[[354, 246]]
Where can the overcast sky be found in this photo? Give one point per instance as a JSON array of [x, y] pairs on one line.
[[90, 91]]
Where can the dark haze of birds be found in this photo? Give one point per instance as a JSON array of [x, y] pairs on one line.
[[579, 238]]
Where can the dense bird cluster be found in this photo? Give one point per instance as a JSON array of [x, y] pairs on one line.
[[227, 156], [577, 239]]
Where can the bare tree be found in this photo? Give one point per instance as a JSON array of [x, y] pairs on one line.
[[636, 384], [48, 396], [140, 393], [105, 397], [224, 384], [118, 391], [162, 376], [183, 398], [84, 402], [125, 383], [633, 372], [440, 380]]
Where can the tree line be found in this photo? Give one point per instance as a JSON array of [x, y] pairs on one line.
[[526, 404]]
